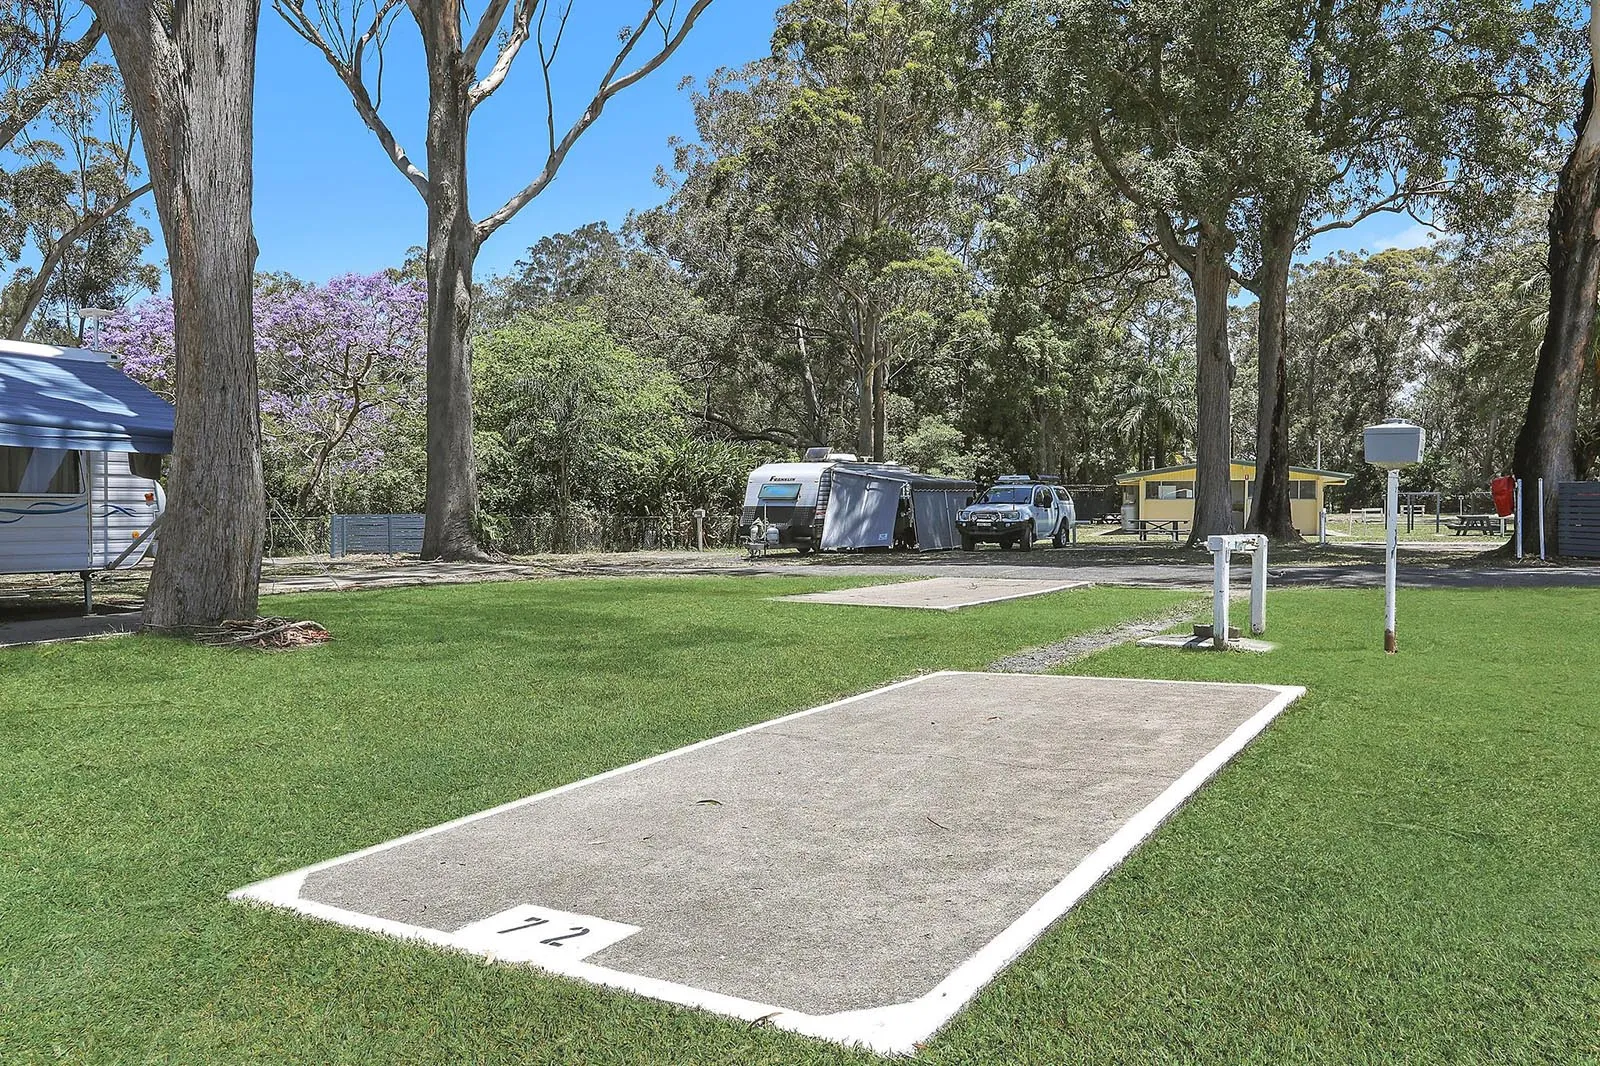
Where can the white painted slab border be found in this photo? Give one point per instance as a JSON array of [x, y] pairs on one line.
[[893, 1030], [808, 597]]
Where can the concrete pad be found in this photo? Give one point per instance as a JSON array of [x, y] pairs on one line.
[[1187, 642], [855, 872], [29, 631], [937, 594]]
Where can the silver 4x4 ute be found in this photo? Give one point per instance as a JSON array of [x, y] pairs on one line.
[[1015, 511]]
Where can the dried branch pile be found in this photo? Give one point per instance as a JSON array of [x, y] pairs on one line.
[[265, 634]]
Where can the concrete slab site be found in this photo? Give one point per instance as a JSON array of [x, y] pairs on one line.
[[937, 593], [855, 872]]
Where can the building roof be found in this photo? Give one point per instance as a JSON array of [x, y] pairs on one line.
[[72, 398], [1307, 471]]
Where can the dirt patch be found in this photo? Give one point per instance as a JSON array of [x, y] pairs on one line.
[[1037, 660]]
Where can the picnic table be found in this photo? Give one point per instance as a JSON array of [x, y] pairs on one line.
[[1173, 527], [1466, 524]]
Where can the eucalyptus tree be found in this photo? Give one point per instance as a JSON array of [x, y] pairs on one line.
[[1182, 103], [1548, 446], [42, 51], [1491, 298], [190, 77], [1362, 329], [1078, 303], [467, 61], [69, 199], [68, 171], [842, 170], [1427, 107]]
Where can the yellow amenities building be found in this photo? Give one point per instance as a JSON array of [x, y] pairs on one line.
[[1166, 494]]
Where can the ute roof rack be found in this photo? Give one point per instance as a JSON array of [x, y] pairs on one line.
[[1027, 479]]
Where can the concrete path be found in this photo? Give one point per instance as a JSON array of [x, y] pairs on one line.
[[936, 593], [856, 872], [28, 630]]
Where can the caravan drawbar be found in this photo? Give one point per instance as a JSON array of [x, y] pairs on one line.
[[791, 499]]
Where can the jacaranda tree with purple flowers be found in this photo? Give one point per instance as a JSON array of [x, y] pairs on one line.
[[341, 369]]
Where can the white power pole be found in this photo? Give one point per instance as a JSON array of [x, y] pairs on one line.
[[1391, 558]]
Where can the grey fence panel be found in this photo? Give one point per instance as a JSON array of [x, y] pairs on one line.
[[375, 534], [1578, 525]]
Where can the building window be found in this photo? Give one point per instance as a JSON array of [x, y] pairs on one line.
[[1169, 490], [39, 472], [1302, 489]]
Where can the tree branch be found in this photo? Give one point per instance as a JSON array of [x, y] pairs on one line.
[[487, 24], [772, 434], [38, 94], [520, 23], [349, 70], [610, 85], [57, 251]]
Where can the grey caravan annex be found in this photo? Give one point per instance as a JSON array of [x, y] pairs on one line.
[[81, 445], [831, 501]]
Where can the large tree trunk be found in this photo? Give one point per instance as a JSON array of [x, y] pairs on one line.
[[1213, 503], [1270, 510], [190, 82], [450, 525], [1547, 446]]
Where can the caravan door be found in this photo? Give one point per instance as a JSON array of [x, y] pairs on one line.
[[124, 505]]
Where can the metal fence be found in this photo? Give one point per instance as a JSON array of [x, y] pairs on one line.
[[288, 536], [539, 534]]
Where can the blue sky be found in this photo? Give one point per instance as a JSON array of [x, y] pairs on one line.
[[328, 201]]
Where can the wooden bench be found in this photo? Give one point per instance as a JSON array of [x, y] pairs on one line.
[[1466, 524]]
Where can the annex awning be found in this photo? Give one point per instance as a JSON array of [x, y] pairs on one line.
[[67, 398], [865, 509]]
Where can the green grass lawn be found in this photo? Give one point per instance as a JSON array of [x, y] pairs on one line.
[[1402, 868]]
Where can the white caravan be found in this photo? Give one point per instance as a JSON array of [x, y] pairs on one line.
[[80, 453]]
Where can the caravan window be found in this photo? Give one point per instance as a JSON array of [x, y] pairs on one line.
[[778, 492], [39, 472]]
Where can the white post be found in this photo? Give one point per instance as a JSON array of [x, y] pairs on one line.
[[1322, 527], [1219, 600], [1390, 557], [1519, 517], [1541, 519], [1258, 588]]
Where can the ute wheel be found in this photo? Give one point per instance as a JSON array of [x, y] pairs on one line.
[[1027, 539], [803, 549], [1060, 539], [968, 544]]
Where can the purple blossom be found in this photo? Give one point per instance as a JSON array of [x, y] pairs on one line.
[[337, 363]]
